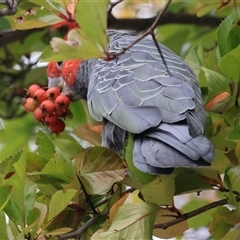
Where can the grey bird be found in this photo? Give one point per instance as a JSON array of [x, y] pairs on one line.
[[136, 93]]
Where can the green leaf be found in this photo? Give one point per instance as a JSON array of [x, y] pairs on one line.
[[59, 167], [99, 169], [36, 17], [234, 135], [227, 24], [77, 46], [45, 145], [30, 193], [218, 226], [160, 191], [42, 208], [67, 144], [91, 17], [183, 185], [230, 63], [233, 38], [141, 176], [59, 202], [17, 180], [233, 174], [3, 226], [216, 83], [5, 194], [132, 221], [195, 58]]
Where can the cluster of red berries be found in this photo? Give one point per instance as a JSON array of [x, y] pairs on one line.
[[48, 106]]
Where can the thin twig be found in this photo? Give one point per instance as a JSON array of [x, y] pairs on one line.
[[191, 214], [88, 199], [149, 31], [112, 5], [80, 230]]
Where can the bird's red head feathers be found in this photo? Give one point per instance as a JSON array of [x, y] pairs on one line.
[[69, 71], [53, 70]]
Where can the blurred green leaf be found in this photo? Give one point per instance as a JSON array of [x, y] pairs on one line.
[[227, 24], [160, 191], [230, 63], [59, 201], [67, 144], [45, 145], [233, 174]]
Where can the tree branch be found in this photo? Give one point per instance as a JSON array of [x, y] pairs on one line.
[[191, 214], [80, 230], [168, 18]]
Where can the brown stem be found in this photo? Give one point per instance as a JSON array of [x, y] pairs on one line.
[[191, 214]]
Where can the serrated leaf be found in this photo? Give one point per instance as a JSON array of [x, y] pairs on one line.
[[18, 182], [227, 24], [229, 64], [234, 135], [59, 201], [216, 83], [132, 221], [45, 145], [233, 174], [160, 191], [172, 231]]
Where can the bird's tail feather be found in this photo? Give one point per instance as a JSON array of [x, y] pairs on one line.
[[170, 146]]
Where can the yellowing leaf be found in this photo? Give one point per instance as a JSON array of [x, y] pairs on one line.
[[116, 206]]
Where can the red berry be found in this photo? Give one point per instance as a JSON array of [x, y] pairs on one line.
[[51, 119], [30, 105], [52, 93], [39, 114], [48, 107], [32, 89], [62, 101], [59, 112], [40, 95], [58, 127]]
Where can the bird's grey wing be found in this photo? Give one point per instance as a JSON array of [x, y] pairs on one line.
[[136, 92]]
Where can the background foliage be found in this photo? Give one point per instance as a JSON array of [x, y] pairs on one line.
[[40, 173]]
